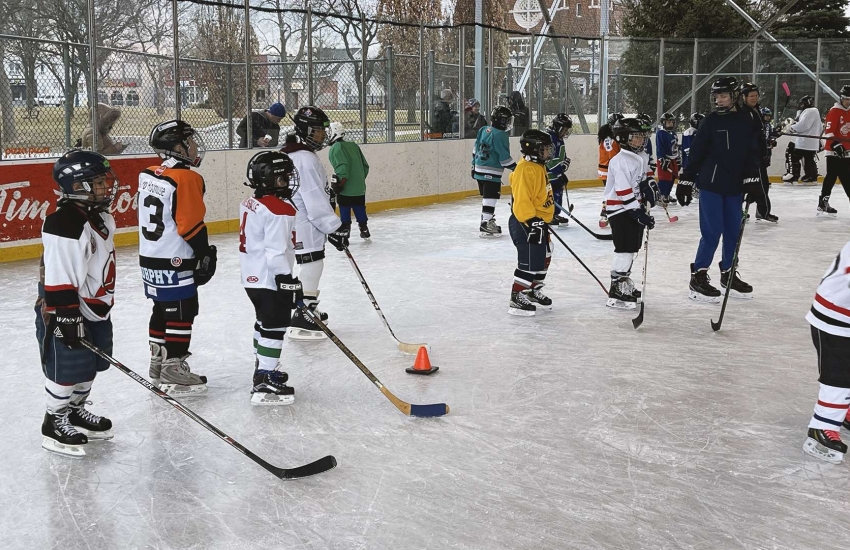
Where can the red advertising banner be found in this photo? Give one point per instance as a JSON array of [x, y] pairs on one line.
[[28, 193]]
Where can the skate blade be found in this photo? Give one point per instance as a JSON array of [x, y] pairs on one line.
[[815, 449], [520, 312], [820, 214], [260, 399], [540, 306], [96, 436], [71, 451], [304, 334], [613, 303], [738, 295], [179, 390], [703, 299], [489, 235]]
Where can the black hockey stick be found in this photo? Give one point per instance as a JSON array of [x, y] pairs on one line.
[[317, 467], [570, 250], [404, 347], [438, 409], [716, 326], [638, 321], [600, 236]]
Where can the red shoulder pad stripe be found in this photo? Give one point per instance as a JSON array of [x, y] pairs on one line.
[[277, 206]]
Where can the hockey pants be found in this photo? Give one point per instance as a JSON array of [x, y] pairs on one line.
[[807, 158], [836, 168]]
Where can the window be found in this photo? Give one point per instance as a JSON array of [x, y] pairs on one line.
[[578, 10], [593, 4]]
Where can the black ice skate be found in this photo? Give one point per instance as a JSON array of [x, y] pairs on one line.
[[489, 229], [302, 328], [825, 445], [620, 295], [767, 218], [364, 231], [521, 305], [178, 380], [88, 423], [270, 389], [560, 221], [700, 287], [555, 221], [809, 179], [740, 289], [824, 209], [540, 300], [60, 436]]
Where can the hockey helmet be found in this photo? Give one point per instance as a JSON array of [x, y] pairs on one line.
[[613, 118], [87, 177], [766, 114], [645, 120], [695, 120], [502, 118], [747, 88], [177, 139], [628, 129], [668, 121], [844, 92], [471, 103], [311, 127], [725, 85], [272, 173], [336, 131], [562, 125], [806, 102], [536, 146]]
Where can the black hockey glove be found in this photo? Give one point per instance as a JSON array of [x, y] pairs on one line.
[[839, 150], [206, 266], [647, 191], [289, 289], [642, 218], [665, 164], [685, 190], [337, 183], [566, 162], [68, 327], [752, 190], [536, 231], [339, 238]]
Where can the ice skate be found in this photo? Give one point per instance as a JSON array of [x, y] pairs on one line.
[[91, 425], [809, 180], [825, 445], [489, 229], [60, 436], [560, 221], [156, 363], [540, 300], [270, 389], [178, 380], [364, 232], [768, 219], [824, 209], [620, 295], [521, 305], [302, 328], [555, 222], [789, 178], [701, 289], [740, 289]]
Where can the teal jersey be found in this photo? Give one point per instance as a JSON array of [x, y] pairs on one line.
[[491, 154]]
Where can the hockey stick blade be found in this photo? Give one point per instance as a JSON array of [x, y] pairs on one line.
[[319, 466], [437, 409], [600, 236], [716, 326], [638, 321]]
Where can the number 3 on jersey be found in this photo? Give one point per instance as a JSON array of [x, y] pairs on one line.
[[153, 208]]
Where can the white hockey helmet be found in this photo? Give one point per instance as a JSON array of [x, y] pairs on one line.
[[335, 132]]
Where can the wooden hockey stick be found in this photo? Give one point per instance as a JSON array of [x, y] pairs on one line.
[[317, 467], [404, 347]]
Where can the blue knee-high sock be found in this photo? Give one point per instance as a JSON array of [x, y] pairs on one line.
[[360, 214]]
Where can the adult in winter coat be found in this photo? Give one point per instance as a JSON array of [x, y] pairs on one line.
[[473, 120], [106, 118], [522, 116], [263, 123], [804, 148]]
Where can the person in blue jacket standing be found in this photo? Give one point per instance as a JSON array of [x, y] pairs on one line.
[[723, 162], [559, 130], [667, 148]]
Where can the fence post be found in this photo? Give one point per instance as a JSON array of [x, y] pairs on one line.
[[176, 54], [617, 84], [755, 59], [541, 81], [660, 105], [66, 61], [603, 75], [390, 99], [694, 79], [93, 77], [421, 82], [249, 135], [310, 98], [567, 81], [364, 56], [430, 91], [529, 87], [487, 74], [461, 83], [817, 75], [228, 105]]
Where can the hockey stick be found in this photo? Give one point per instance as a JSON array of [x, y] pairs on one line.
[[787, 91], [600, 236], [671, 219], [404, 347], [437, 409], [638, 321], [570, 250], [716, 326], [654, 188], [317, 467]]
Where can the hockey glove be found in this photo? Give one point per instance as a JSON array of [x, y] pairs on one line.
[[752, 190], [665, 164], [647, 191], [68, 327], [206, 266], [337, 183], [536, 231], [511, 167], [566, 163], [642, 218], [339, 238], [289, 289], [685, 190], [839, 150]]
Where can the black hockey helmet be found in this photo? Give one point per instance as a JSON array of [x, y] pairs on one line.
[[536, 146], [627, 129], [309, 120], [806, 102], [844, 92], [176, 139], [613, 118], [725, 85], [562, 125], [695, 120], [272, 173], [87, 177], [747, 88], [502, 118], [766, 114], [668, 121], [646, 120]]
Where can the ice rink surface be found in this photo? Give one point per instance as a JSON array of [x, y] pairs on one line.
[[567, 430]]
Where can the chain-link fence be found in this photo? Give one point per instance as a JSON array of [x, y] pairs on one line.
[[383, 80]]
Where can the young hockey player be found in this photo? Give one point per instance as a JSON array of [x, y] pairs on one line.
[[559, 130], [490, 156], [174, 253], [349, 179], [723, 158], [770, 131], [667, 148], [830, 320], [803, 149], [837, 159], [608, 147], [75, 296], [688, 136], [315, 218], [267, 255], [758, 194], [532, 208], [626, 190]]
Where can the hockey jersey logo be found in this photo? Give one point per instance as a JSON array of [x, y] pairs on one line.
[[845, 128], [109, 277]]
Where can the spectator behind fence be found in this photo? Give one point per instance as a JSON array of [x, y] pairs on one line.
[[522, 116], [106, 118], [263, 123], [473, 119], [442, 119]]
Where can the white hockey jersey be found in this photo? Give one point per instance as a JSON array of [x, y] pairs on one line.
[[266, 227], [622, 188], [830, 310], [78, 264], [808, 123], [311, 200]]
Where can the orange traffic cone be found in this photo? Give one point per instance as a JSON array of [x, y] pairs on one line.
[[422, 365]]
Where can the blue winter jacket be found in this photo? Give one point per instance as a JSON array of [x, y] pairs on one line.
[[724, 152]]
